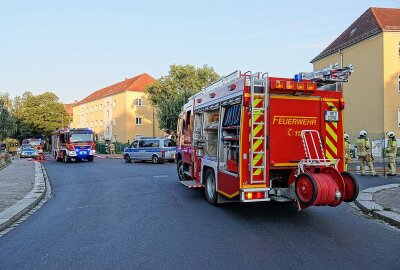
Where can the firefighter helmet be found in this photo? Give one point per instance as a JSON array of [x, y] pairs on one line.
[[390, 134], [346, 136], [363, 133]]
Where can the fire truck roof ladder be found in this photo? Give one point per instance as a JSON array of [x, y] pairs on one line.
[[327, 75], [258, 135]]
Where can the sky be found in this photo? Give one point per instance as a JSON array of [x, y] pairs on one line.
[[73, 48]]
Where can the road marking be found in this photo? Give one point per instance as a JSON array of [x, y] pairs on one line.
[[160, 176]]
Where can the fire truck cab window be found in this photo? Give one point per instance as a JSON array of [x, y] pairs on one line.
[[188, 120], [63, 138]]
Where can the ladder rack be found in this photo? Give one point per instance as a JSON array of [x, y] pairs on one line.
[[327, 75]]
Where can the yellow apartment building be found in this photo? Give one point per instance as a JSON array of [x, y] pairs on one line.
[[372, 45], [120, 112]]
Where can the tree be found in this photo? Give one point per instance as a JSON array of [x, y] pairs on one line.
[[39, 114], [168, 94], [8, 125]]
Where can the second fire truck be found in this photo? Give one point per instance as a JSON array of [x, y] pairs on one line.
[[251, 138], [73, 144]]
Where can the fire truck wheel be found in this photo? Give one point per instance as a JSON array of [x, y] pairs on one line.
[[90, 159], [155, 159], [351, 187], [180, 168], [127, 158], [66, 159], [210, 187], [306, 188]]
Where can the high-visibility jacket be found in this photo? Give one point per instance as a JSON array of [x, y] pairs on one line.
[[363, 145], [347, 149], [391, 149]]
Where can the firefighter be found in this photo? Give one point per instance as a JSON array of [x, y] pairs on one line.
[[363, 146], [112, 149], [391, 151], [347, 150]]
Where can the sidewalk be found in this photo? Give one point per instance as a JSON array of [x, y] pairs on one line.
[[116, 156], [16, 181], [22, 186], [382, 202]]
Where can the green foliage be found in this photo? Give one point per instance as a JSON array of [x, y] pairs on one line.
[[168, 94], [8, 124], [39, 114]]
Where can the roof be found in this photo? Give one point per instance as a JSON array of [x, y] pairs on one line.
[[68, 108], [137, 83], [372, 22]]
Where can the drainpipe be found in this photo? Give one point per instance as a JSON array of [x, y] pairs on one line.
[[341, 58]]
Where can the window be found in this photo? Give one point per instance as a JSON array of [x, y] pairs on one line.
[[398, 118], [101, 107], [95, 108], [108, 130], [95, 123], [107, 104], [114, 104], [398, 83], [138, 120], [108, 113], [398, 48], [101, 123], [91, 124], [138, 102], [114, 121]]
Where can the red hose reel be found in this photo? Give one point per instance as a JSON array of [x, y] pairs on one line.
[[325, 187]]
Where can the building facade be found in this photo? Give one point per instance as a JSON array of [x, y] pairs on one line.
[[372, 45], [120, 112]]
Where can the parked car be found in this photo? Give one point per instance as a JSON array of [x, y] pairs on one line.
[[28, 151], [155, 150]]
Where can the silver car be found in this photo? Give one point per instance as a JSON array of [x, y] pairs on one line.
[[155, 150]]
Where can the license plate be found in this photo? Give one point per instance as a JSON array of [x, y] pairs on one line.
[[331, 116]]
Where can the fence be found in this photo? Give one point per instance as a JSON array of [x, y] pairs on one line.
[[101, 147]]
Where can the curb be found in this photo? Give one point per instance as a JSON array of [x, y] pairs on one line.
[[366, 204], [23, 206]]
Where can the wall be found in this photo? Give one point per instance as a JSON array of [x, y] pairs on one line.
[[391, 73], [364, 92], [149, 126]]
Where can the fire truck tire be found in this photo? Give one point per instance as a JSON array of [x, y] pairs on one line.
[[127, 158], [66, 159], [306, 189], [211, 187], [155, 159], [180, 168], [351, 187], [90, 159]]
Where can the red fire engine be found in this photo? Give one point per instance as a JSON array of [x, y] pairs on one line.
[[73, 144], [251, 137]]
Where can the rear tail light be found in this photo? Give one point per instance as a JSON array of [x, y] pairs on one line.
[[254, 195], [163, 153], [341, 104]]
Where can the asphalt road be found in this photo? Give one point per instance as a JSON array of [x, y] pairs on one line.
[[112, 215]]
